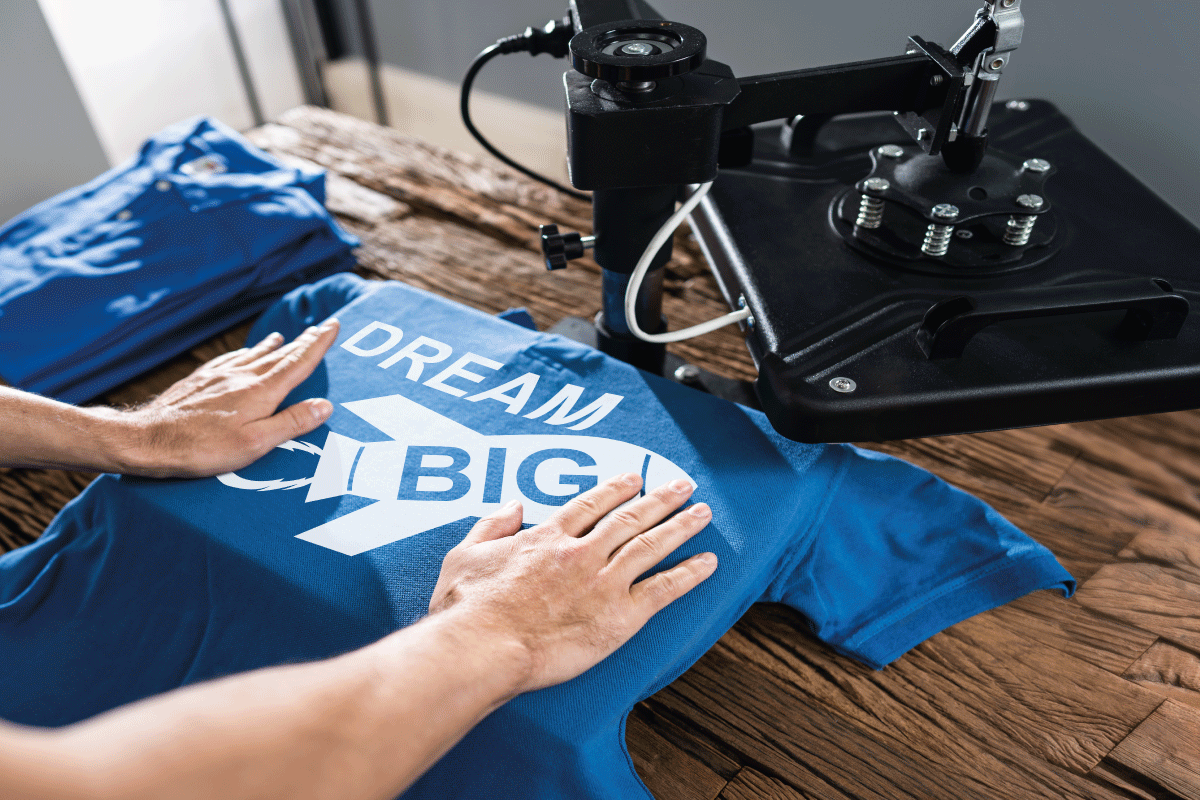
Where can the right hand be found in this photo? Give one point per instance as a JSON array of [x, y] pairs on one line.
[[564, 590]]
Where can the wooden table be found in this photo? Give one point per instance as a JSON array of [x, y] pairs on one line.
[[1098, 697]]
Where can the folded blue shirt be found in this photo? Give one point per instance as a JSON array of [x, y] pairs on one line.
[[197, 232], [443, 414]]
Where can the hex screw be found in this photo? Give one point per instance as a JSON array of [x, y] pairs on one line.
[[687, 373], [1038, 165], [890, 151], [1019, 227], [843, 385], [870, 208], [937, 235]]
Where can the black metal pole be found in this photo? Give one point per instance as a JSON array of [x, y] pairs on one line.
[[624, 221], [371, 53]]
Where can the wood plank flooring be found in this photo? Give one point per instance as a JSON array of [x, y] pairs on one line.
[[1097, 697]]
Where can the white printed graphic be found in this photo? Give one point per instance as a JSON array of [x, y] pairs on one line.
[[436, 471]]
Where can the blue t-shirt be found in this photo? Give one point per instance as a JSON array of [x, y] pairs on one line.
[[197, 232], [442, 414]]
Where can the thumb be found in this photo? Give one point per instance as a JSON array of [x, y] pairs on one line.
[[292, 421], [505, 521]]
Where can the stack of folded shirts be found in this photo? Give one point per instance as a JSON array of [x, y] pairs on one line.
[[198, 232]]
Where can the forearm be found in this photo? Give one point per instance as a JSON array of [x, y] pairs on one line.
[[363, 725], [39, 432]]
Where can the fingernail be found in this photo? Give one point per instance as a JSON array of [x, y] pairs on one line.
[[630, 479], [700, 510], [509, 506], [707, 559], [329, 324], [679, 485], [320, 408], [311, 329], [274, 337]]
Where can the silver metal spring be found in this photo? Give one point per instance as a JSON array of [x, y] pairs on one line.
[[870, 212], [870, 208], [1019, 229], [937, 239]]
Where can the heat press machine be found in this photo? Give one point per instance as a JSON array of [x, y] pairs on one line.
[[906, 256]]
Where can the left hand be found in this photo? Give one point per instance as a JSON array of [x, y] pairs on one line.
[[223, 416]]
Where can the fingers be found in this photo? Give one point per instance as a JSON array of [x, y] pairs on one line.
[[659, 591], [247, 355], [645, 550], [504, 521], [289, 423], [289, 365], [627, 522], [583, 512]]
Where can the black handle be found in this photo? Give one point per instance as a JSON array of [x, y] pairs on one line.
[[1153, 311]]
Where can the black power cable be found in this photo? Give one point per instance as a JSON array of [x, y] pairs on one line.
[[550, 39]]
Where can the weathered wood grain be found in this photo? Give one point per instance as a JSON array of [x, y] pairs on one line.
[[781, 729], [669, 772], [1166, 749], [1047, 619], [1154, 585], [1170, 671], [750, 784]]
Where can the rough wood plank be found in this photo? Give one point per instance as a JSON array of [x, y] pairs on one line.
[[1019, 461], [1045, 618], [1154, 585], [1170, 671], [669, 772], [780, 727], [680, 732], [750, 784], [978, 680], [1165, 748]]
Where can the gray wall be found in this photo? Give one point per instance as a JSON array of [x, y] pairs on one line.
[[46, 141], [1125, 72]]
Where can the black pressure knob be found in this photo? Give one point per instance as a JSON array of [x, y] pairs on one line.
[[637, 50], [559, 248]]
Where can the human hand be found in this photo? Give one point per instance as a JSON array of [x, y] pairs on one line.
[[564, 590], [223, 416]]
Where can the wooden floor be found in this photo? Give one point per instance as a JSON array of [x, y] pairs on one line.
[[1098, 697]]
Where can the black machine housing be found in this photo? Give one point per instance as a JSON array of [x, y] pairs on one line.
[[1008, 273]]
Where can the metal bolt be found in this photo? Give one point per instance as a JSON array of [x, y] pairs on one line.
[[1031, 201], [937, 80], [963, 233], [1017, 105], [891, 151], [937, 237], [588, 242], [687, 373], [637, 49], [870, 209], [1036, 165], [162, 185], [997, 63], [843, 385], [1019, 228], [945, 211], [1009, 3]]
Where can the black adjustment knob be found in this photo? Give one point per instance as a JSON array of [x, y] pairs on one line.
[[559, 248], [637, 51]]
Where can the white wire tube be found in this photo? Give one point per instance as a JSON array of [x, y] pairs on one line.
[[643, 266]]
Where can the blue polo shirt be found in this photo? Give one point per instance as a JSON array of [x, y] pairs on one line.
[[442, 414], [196, 233]]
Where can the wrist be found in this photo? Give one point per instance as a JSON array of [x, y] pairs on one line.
[[504, 660], [122, 441]]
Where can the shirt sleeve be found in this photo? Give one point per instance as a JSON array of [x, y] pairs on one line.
[[900, 555]]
